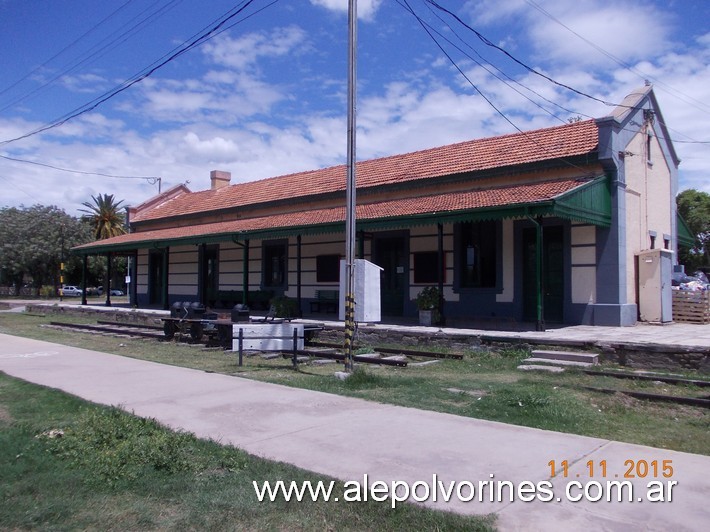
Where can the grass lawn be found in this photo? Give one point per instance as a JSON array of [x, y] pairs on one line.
[[485, 385], [112, 471]]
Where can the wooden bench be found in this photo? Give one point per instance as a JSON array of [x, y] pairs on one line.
[[326, 301]]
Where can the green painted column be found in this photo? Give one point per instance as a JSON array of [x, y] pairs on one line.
[[245, 273], [84, 270], [539, 285], [166, 275]]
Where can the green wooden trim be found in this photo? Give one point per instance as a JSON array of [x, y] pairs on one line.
[[590, 203]]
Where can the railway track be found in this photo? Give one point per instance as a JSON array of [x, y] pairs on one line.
[[155, 332], [138, 331]]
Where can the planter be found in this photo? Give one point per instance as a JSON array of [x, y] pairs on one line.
[[427, 318]]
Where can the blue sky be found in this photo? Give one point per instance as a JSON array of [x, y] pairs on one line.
[[268, 96]]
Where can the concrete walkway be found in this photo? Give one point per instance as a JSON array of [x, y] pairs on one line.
[[347, 438]]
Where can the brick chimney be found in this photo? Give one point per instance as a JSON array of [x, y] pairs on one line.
[[220, 179]]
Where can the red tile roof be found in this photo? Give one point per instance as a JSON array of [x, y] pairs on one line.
[[450, 202], [484, 154]]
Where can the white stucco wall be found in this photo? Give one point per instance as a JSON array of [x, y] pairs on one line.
[[182, 270], [142, 272], [426, 238], [583, 264], [508, 265], [649, 198]]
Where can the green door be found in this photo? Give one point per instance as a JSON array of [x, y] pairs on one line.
[[389, 253], [553, 275], [209, 275], [156, 277]]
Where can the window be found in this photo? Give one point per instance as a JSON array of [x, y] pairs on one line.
[[274, 264], [328, 268], [425, 267], [477, 254]]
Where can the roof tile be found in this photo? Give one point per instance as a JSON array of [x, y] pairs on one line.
[[483, 154], [450, 202]]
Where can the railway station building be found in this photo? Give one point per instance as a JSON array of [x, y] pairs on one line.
[[550, 219]]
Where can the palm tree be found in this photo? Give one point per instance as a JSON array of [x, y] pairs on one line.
[[107, 221], [104, 215]]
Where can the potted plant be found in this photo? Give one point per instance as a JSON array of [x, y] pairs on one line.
[[428, 301]]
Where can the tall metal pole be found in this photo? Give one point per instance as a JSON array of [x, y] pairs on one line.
[[61, 269], [350, 188]]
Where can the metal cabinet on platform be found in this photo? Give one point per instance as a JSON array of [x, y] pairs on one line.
[[655, 268]]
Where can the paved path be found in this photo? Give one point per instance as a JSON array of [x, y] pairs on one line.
[[347, 438]]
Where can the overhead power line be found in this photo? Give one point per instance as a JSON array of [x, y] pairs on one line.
[[702, 106], [99, 50], [151, 179], [205, 35], [487, 42], [67, 47], [489, 66], [527, 67], [564, 160]]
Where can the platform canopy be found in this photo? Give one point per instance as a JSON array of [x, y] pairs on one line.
[[585, 200]]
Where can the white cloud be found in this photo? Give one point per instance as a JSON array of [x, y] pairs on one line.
[[84, 83], [366, 9], [244, 52], [242, 117], [237, 88], [627, 29]]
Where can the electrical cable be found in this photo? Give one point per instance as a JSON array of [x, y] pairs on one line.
[[489, 43], [530, 69], [100, 52], [623, 64], [67, 47], [149, 178], [215, 29], [15, 185], [484, 67], [488, 100]]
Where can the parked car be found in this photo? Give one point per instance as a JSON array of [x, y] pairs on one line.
[[114, 291], [71, 291]]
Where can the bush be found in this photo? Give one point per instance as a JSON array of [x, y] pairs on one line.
[[47, 292], [285, 307], [428, 298]]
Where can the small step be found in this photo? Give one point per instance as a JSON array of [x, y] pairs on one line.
[[548, 361], [575, 356], [538, 367]]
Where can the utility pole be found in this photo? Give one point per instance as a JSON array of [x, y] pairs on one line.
[[350, 188], [61, 267]]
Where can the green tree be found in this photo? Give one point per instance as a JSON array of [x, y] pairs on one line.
[[694, 207], [106, 220], [32, 242], [105, 216]]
